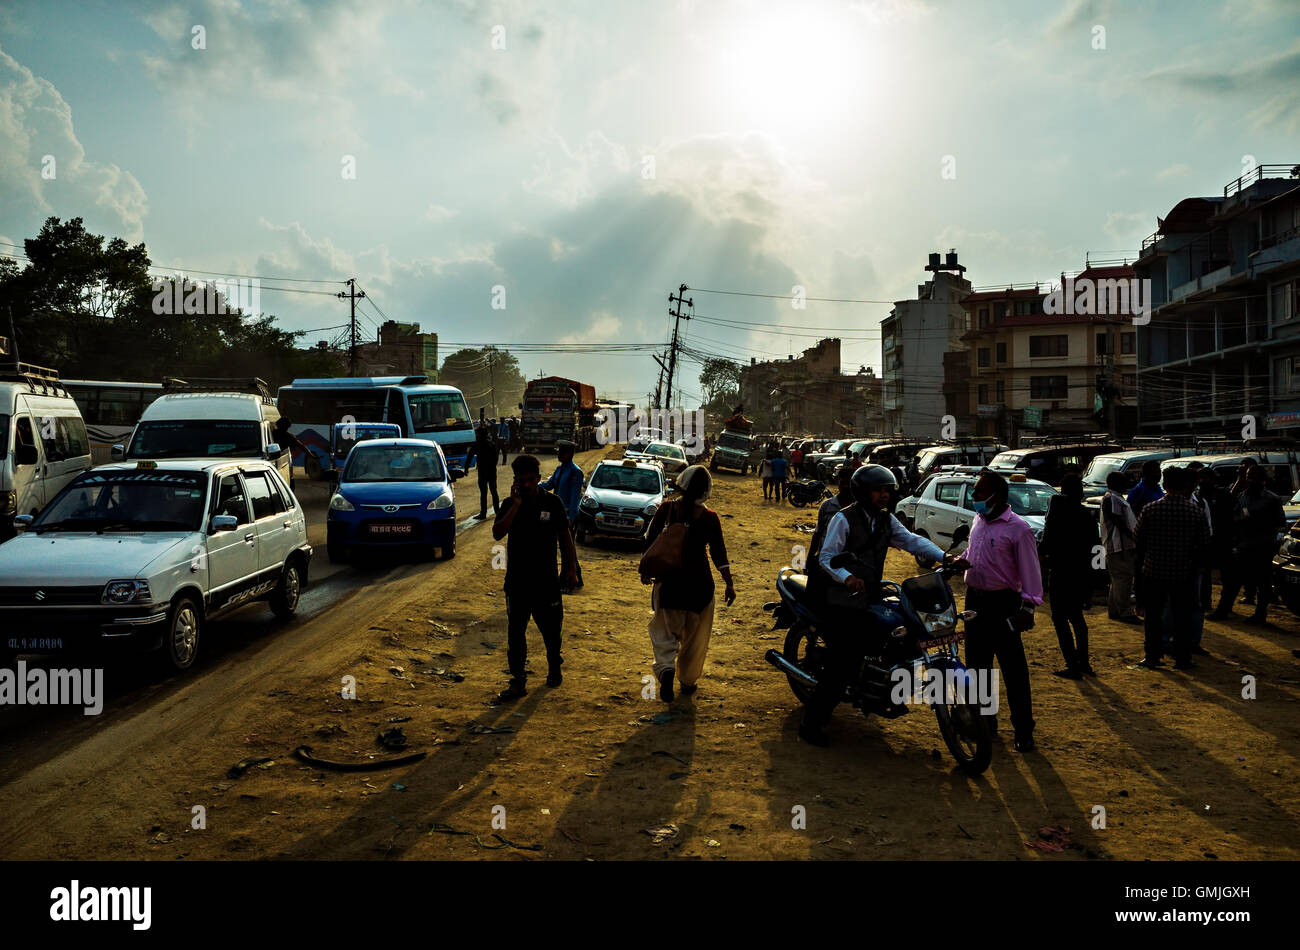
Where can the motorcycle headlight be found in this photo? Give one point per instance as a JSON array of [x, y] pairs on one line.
[[941, 621], [588, 502], [339, 503], [444, 500], [126, 592]]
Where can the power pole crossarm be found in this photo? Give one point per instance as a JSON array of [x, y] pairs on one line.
[[353, 295]]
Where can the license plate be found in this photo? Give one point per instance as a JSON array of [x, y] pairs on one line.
[[620, 522], [391, 529], [35, 643], [957, 636]]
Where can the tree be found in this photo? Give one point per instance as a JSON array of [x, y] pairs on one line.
[[720, 383], [489, 377]]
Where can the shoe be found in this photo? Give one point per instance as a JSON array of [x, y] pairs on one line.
[[666, 686], [1255, 620], [1087, 670], [512, 692], [689, 688], [1069, 673], [480, 516], [554, 678], [1184, 665], [1025, 743], [814, 735], [1151, 664], [1200, 651]]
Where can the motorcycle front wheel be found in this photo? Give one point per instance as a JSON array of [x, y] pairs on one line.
[[966, 732], [805, 650], [798, 500]]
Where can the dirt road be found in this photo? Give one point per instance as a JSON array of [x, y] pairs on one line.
[[1182, 764]]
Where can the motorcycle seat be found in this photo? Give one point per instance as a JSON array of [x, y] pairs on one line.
[[794, 584]]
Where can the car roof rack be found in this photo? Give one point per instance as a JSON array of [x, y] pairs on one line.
[[213, 384], [39, 379]]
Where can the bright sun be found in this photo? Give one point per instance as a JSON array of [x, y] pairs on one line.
[[794, 70]]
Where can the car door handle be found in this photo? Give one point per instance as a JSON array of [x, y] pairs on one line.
[[249, 537], [288, 524]]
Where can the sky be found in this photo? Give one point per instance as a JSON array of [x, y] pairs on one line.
[[590, 157]]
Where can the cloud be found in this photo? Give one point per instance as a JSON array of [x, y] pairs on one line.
[[603, 328], [1273, 79], [1128, 228], [36, 132], [1179, 170], [438, 214]]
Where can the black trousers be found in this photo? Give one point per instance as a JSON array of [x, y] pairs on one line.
[[1252, 567], [487, 481], [987, 637], [1067, 612], [844, 630], [1180, 598], [546, 608], [577, 565]]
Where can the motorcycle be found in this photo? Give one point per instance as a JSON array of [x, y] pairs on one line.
[[916, 622], [806, 491]]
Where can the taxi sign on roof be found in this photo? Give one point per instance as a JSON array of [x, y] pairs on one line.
[[146, 465]]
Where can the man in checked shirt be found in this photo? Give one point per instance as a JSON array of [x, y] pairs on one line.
[[1003, 586], [1173, 538]]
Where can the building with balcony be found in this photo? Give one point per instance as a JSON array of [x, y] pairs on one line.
[[808, 395], [914, 339], [1041, 373], [1224, 338]]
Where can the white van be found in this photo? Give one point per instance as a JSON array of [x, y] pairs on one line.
[[208, 419], [43, 441]]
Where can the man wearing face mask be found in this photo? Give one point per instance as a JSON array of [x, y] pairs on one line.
[[868, 530], [1258, 516], [1003, 586]]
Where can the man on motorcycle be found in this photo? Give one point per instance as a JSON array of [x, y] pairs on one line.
[[866, 529]]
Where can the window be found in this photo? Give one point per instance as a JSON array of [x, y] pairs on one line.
[[231, 500], [285, 493], [1128, 343], [1054, 345], [984, 317], [1022, 308], [72, 433], [1002, 352], [1048, 387], [1002, 392], [23, 433], [968, 497], [983, 393], [1128, 384], [999, 311], [1285, 302], [949, 493], [438, 412], [1101, 344], [983, 356], [259, 493]]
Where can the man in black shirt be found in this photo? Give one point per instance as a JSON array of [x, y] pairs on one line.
[[537, 523], [485, 451]]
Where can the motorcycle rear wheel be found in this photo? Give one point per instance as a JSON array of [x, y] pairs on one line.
[[966, 733], [798, 641], [798, 500]]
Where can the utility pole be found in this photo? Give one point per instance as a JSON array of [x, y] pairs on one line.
[[677, 316], [659, 387], [353, 295], [492, 382]]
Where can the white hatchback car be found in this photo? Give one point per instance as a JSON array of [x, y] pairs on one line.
[[143, 553], [945, 502]]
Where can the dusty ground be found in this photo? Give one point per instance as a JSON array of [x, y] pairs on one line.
[[1183, 765]]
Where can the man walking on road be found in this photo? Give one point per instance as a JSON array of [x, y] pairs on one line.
[[536, 523], [1172, 538], [503, 437], [566, 483], [1003, 586], [485, 450]]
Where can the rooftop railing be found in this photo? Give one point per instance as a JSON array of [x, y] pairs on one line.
[[1259, 173]]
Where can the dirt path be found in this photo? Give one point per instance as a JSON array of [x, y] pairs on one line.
[[1183, 765]]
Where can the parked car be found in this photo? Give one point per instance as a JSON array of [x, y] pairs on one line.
[[144, 554], [833, 455], [43, 441], [621, 498], [1048, 463], [737, 450], [949, 455], [945, 502], [393, 494], [1286, 569], [670, 456], [1129, 464]]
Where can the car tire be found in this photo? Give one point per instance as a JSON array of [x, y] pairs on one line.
[[180, 647], [284, 599], [449, 550]]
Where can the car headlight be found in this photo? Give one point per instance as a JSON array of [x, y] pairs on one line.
[[126, 592], [649, 510], [339, 503], [442, 501], [588, 502]]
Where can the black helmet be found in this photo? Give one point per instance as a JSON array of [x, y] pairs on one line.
[[868, 477]]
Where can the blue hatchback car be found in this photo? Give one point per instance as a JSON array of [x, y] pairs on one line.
[[393, 493]]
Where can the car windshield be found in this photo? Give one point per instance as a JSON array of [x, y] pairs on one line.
[[197, 438], [730, 440], [1099, 468], [393, 463], [642, 481], [1029, 499], [127, 500], [857, 447], [837, 448], [663, 450], [1006, 460], [438, 412]]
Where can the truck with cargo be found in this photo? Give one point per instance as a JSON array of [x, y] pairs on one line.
[[555, 408]]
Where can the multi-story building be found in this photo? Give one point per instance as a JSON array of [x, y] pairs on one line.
[[914, 339], [1058, 373], [401, 350], [808, 395], [1224, 338]]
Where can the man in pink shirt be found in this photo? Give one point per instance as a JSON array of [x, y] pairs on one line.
[[1003, 586]]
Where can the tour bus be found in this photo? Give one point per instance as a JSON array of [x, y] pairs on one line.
[[110, 410], [422, 409]]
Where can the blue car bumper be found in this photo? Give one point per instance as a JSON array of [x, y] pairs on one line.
[[379, 530]]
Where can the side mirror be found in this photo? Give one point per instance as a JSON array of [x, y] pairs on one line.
[[118, 453], [457, 473], [25, 455], [961, 534], [23, 522], [272, 449], [223, 523]]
